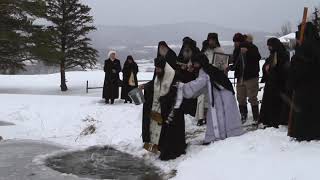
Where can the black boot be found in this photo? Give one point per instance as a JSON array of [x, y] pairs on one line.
[[255, 113], [112, 101], [129, 100], [244, 113], [107, 101]]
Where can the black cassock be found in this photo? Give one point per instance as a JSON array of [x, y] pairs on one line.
[[189, 106], [128, 69], [172, 137], [274, 108], [112, 79], [304, 81]]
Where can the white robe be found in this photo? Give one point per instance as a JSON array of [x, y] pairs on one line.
[[161, 88], [223, 120], [202, 103]]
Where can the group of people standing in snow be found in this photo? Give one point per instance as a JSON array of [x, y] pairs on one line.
[[189, 83], [195, 83], [112, 82], [291, 93]]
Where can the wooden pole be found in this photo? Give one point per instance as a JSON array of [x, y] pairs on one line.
[[301, 38], [303, 25]]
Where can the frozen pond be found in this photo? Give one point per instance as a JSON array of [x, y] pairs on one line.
[[17, 161], [103, 163], [3, 123]]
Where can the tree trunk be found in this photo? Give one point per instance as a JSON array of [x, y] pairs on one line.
[[63, 77]]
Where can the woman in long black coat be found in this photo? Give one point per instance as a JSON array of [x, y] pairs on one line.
[[304, 81], [130, 80], [112, 68], [274, 108]]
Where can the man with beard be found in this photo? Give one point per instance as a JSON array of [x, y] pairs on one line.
[[163, 126], [167, 54], [129, 76], [188, 51], [112, 68], [246, 66], [304, 82], [223, 116], [187, 41], [274, 108]]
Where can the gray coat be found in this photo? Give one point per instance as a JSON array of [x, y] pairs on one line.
[[223, 120]]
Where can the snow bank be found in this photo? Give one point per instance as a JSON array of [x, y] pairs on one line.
[[60, 119], [264, 155], [287, 38]]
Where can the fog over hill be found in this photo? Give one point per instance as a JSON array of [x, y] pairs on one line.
[[133, 40], [141, 41]]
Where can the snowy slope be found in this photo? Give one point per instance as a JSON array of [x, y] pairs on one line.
[[264, 154], [50, 84]]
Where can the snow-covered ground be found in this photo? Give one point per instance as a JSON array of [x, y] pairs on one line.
[[40, 112], [287, 38], [50, 84]]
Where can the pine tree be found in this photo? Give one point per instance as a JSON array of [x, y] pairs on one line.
[[316, 18], [71, 25], [17, 31]]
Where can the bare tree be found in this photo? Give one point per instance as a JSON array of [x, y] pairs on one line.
[[286, 28]]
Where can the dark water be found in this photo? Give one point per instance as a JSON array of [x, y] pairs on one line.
[[3, 123], [104, 163]]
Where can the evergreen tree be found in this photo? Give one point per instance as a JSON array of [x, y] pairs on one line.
[[68, 35], [17, 32], [316, 18]]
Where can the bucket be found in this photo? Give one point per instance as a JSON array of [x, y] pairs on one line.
[[137, 96]]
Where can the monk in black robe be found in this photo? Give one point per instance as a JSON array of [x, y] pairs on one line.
[[274, 108], [188, 51], [304, 82], [129, 80], [112, 68], [167, 54], [186, 42], [163, 126]]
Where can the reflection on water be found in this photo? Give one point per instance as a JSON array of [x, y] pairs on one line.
[[104, 163]]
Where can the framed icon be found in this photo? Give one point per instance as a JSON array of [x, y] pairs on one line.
[[221, 60]]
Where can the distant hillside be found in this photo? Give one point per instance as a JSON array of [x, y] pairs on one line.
[[141, 42], [132, 40]]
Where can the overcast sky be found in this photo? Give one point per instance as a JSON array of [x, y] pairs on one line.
[[262, 15]]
